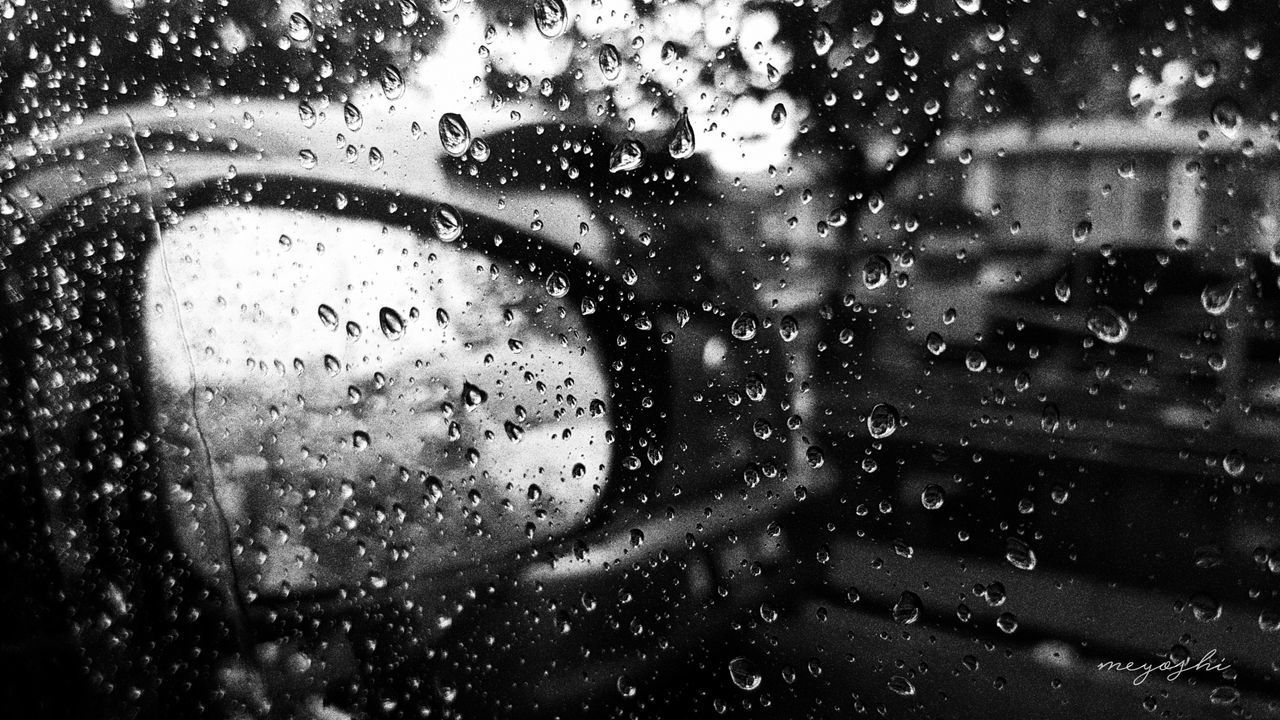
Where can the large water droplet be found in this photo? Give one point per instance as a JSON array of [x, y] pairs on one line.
[[682, 141], [822, 40], [352, 116], [514, 431], [882, 421], [409, 13], [1226, 117], [743, 673], [1216, 299], [300, 27], [902, 686], [907, 609], [551, 17], [446, 222], [627, 155], [779, 115], [391, 322], [1019, 554], [932, 497], [1062, 288], [1107, 325], [557, 284], [473, 396], [745, 326], [392, 82], [788, 328], [610, 62], [935, 344], [306, 114], [455, 136], [875, 273], [328, 316]]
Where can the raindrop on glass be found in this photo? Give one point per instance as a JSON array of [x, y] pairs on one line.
[[627, 155], [446, 222], [455, 136], [1107, 325], [745, 326], [744, 674], [1226, 117], [551, 17], [610, 62], [391, 323], [882, 421], [300, 27], [682, 141]]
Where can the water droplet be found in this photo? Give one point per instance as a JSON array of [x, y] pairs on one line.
[[1226, 117], [1019, 554], [352, 116], [300, 27], [1062, 288], [904, 7], [882, 421], [779, 115], [306, 114], [934, 342], [376, 158], [455, 136], [1107, 325], [479, 150], [446, 222], [669, 53], [932, 497], [975, 361], [755, 387], [1007, 622], [360, 440], [551, 17], [328, 316], [392, 82], [409, 13], [626, 688], [1233, 463], [907, 609], [354, 330], [307, 158], [557, 284], [1216, 299], [1205, 608], [514, 431], [1224, 695], [743, 673], [788, 328], [1049, 418], [875, 273], [745, 326], [822, 40], [682, 141], [902, 686], [969, 7], [1082, 231], [627, 155], [473, 396], [1269, 621], [610, 62], [391, 322]]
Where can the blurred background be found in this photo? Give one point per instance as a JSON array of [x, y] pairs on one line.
[[763, 359]]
